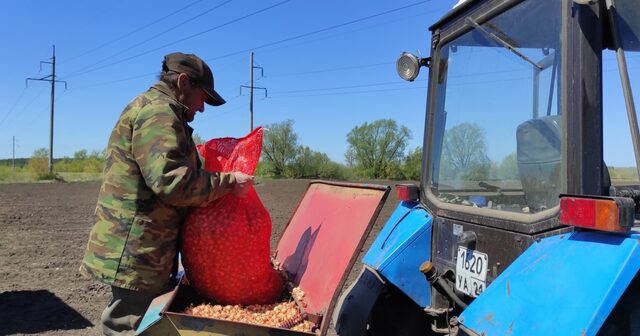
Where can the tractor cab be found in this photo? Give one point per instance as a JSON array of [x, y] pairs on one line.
[[513, 153]]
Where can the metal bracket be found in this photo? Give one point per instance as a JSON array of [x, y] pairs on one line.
[[255, 88], [426, 62], [436, 40]]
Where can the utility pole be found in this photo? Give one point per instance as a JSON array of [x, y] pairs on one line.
[[251, 87], [51, 78], [13, 154]]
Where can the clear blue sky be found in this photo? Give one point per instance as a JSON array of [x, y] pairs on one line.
[[340, 75], [328, 65]]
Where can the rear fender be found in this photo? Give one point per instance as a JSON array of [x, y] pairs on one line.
[[393, 259], [401, 247], [561, 285]]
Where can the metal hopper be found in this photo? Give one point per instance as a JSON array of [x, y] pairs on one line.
[[317, 248]]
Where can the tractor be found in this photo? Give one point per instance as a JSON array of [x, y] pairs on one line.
[[518, 225]]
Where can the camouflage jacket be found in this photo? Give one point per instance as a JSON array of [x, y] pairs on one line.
[[152, 176]]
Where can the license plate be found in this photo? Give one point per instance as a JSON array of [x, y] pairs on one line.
[[471, 271]]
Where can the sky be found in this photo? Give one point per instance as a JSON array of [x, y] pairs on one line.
[[327, 65]]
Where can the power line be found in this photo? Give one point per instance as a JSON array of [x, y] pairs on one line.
[[33, 100], [116, 81], [150, 38], [319, 30], [399, 89], [227, 111], [348, 93], [317, 71], [259, 47], [330, 70], [14, 106], [246, 82], [126, 79], [342, 87], [265, 45], [38, 114], [375, 25], [130, 33], [401, 82], [278, 94], [186, 38]]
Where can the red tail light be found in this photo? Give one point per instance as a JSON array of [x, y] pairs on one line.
[[613, 214], [408, 192]]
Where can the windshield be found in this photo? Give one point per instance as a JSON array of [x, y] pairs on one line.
[[497, 137], [617, 140]]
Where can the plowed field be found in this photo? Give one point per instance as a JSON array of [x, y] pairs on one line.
[[43, 232]]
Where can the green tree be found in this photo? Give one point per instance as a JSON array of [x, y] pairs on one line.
[[38, 164], [94, 163], [99, 154], [412, 167], [80, 155], [334, 170], [350, 157], [280, 146], [309, 163], [377, 149], [305, 163], [508, 168], [264, 168], [464, 153]]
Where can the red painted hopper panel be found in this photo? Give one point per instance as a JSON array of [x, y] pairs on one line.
[[318, 246], [324, 235]]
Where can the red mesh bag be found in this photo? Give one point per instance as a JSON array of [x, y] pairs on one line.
[[225, 246]]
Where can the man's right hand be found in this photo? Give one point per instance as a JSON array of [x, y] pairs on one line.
[[243, 183]]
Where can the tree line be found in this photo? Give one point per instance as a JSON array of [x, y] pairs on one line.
[[37, 166], [377, 150]]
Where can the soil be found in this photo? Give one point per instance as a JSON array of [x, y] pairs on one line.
[[44, 229]]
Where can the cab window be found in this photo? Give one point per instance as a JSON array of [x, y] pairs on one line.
[[617, 141], [497, 135]]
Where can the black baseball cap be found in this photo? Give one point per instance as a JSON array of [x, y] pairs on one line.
[[197, 70]]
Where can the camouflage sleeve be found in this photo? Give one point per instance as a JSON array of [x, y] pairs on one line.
[[167, 160]]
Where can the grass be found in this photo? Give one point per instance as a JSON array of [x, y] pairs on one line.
[[619, 175], [623, 175], [9, 176], [21, 175], [80, 177]]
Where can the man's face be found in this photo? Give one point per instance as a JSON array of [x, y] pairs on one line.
[[192, 96]]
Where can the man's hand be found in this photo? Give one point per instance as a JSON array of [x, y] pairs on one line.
[[243, 183]]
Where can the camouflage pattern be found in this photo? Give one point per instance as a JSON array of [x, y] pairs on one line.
[[152, 176]]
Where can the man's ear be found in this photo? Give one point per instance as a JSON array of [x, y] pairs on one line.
[[182, 81]]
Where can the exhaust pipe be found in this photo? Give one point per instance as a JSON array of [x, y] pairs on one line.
[[431, 273]]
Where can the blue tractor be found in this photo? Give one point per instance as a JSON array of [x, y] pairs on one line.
[[518, 226]]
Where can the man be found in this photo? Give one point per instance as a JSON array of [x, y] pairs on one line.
[[152, 177]]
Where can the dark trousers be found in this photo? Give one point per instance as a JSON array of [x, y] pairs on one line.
[[123, 315]]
